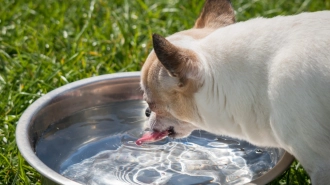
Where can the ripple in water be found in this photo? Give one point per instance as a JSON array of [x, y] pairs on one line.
[[194, 160]]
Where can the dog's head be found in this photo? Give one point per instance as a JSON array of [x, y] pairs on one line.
[[174, 71]]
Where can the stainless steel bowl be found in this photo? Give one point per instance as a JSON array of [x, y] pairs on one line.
[[80, 95]]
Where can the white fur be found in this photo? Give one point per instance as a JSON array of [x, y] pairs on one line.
[[268, 81]]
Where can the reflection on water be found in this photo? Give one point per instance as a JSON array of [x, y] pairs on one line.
[[202, 158]]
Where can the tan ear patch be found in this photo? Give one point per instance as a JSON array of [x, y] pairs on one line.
[[216, 14], [179, 62]]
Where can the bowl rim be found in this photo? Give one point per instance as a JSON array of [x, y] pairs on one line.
[[26, 150]]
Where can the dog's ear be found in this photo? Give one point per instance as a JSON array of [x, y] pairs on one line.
[[216, 14], [179, 62]]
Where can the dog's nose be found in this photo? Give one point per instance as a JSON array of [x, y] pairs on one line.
[[148, 112]]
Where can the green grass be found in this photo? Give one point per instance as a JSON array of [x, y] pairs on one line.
[[47, 44]]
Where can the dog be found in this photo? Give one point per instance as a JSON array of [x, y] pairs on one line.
[[265, 80]]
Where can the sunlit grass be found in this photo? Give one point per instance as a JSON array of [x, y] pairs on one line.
[[47, 44]]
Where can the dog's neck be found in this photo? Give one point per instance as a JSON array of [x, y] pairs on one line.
[[234, 100]]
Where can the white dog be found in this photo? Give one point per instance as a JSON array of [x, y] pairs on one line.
[[266, 81]]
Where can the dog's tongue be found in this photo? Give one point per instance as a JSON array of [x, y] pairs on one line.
[[149, 137]]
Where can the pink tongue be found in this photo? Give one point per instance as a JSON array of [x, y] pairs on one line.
[[149, 137]]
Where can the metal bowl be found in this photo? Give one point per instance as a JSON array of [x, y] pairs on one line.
[[74, 97]]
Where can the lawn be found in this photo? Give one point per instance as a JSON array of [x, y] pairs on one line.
[[47, 44]]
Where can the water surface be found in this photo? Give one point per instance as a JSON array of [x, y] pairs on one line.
[[97, 146]]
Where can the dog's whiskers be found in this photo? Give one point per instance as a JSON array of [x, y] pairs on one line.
[[152, 124]]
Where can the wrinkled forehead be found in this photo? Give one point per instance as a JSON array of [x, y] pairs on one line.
[[148, 71]]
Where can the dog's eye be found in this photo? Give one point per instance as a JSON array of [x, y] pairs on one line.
[[148, 112]]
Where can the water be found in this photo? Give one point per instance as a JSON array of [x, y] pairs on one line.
[[113, 157]]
